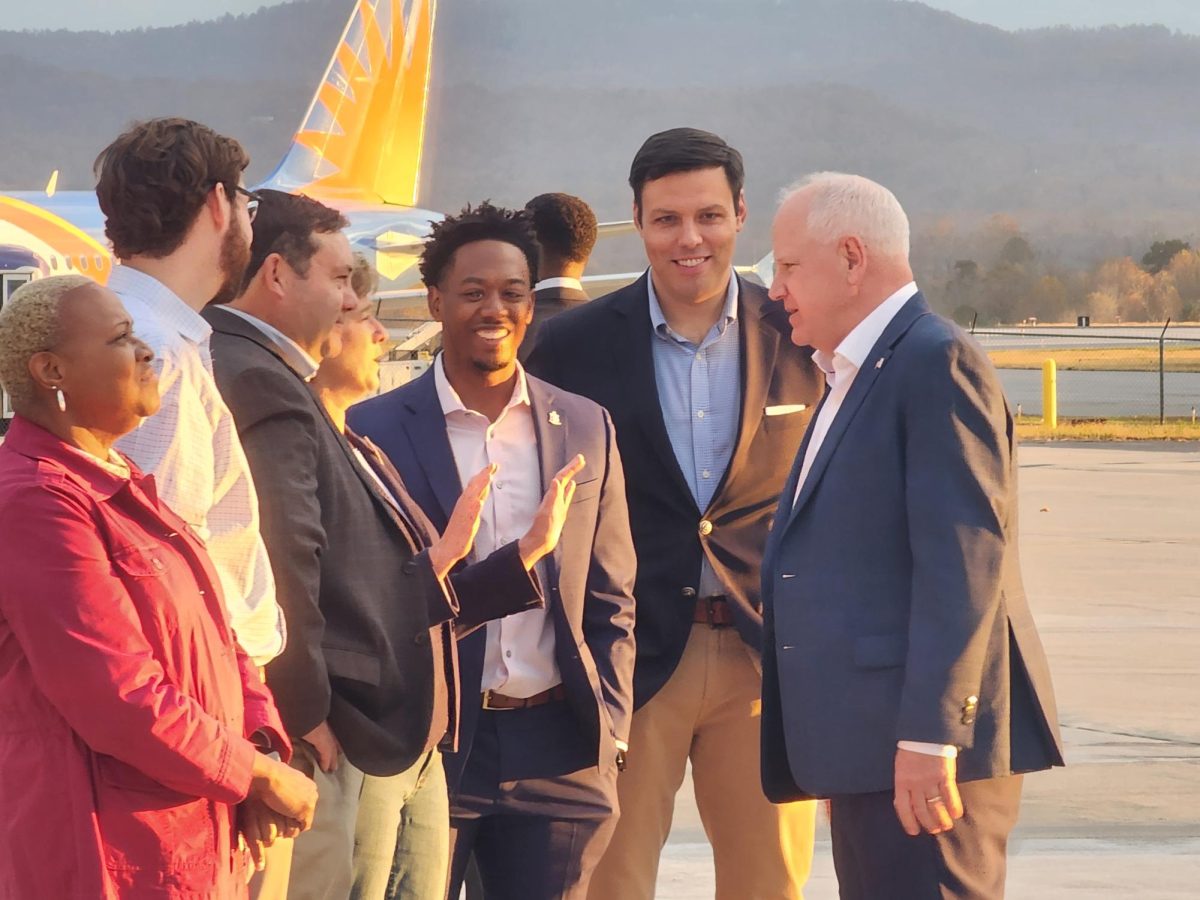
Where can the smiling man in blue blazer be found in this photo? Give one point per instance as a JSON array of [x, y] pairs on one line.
[[533, 784], [902, 674]]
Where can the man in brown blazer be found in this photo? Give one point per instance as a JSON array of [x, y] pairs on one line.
[[710, 401]]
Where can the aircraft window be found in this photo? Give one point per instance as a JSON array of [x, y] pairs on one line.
[[99, 263], [83, 264], [54, 264]]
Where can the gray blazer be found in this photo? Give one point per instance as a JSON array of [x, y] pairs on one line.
[[892, 590]]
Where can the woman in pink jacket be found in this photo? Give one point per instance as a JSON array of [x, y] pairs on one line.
[[131, 724]]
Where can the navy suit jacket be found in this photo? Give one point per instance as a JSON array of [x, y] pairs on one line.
[[589, 576], [894, 608], [603, 351]]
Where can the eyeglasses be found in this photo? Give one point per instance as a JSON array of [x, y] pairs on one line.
[[252, 200]]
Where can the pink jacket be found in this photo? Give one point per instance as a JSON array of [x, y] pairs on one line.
[[125, 703]]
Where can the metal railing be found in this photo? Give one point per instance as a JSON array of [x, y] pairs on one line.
[[1111, 372]]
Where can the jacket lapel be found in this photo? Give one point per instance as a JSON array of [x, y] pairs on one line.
[[759, 345], [425, 425], [552, 430], [872, 368], [633, 357]]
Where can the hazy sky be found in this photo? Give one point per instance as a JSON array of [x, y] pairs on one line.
[[113, 14]]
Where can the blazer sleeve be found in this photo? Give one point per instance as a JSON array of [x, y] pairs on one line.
[[957, 451], [82, 637], [493, 588], [278, 424], [608, 609]]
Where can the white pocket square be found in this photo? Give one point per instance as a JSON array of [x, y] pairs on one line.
[[785, 409]]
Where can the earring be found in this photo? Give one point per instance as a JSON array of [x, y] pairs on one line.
[[62, 400]]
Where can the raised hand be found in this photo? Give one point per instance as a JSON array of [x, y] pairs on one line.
[[285, 790], [542, 536], [455, 542]]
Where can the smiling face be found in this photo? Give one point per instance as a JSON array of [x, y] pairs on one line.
[[689, 222], [106, 374], [485, 303], [354, 372], [317, 301]]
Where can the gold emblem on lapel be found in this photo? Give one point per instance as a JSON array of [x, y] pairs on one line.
[[554, 417]]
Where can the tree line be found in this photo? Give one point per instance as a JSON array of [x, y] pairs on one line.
[[1003, 279]]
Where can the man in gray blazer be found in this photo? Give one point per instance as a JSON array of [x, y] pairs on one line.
[[903, 676]]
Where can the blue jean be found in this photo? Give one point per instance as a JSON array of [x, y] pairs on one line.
[[402, 838]]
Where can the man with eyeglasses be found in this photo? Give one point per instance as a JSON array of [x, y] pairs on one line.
[[179, 220]]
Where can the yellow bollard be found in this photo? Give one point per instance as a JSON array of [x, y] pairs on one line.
[[1050, 395]]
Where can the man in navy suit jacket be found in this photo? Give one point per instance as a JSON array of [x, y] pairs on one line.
[[533, 784], [903, 675]]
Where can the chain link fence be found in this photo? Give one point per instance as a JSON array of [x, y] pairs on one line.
[[1111, 372]]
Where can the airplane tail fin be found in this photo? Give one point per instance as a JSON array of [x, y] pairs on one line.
[[362, 137]]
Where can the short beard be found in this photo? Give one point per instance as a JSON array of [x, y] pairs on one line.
[[488, 366], [234, 260]]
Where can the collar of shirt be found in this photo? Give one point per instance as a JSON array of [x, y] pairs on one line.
[[132, 285], [299, 358], [659, 321], [573, 283], [115, 465], [452, 403], [852, 352]]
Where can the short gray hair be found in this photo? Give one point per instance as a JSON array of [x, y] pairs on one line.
[[842, 205], [29, 324]]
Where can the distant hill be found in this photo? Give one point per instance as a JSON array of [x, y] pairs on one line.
[[1088, 138]]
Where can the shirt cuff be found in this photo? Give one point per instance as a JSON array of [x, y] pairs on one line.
[[946, 751]]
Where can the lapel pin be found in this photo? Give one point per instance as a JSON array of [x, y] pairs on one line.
[[879, 365], [554, 417]]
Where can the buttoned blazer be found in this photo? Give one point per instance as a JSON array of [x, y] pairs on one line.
[[602, 350], [588, 578], [892, 587]]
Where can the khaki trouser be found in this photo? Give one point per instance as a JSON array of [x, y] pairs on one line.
[[708, 711]]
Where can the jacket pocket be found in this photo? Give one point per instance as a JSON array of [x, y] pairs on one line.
[[141, 562], [880, 651], [353, 665], [586, 490]]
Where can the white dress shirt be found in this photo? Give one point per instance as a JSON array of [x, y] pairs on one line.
[[559, 282], [519, 660], [191, 448], [297, 356], [840, 371]]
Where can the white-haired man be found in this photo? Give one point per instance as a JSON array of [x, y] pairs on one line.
[[903, 676]]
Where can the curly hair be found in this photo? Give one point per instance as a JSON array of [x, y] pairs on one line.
[[484, 222], [29, 324], [152, 182], [565, 226], [285, 224]]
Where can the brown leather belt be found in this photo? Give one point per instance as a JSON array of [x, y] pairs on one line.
[[492, 700], [713, 611]]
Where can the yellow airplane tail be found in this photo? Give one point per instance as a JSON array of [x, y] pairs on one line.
[[362, 136]]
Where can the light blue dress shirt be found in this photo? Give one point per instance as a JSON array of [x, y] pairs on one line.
[[700, 392]]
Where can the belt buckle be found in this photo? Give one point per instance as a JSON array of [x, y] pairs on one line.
[[487, 702], [710, 612]]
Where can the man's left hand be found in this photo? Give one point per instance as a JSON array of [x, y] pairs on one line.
[[926, 792]]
